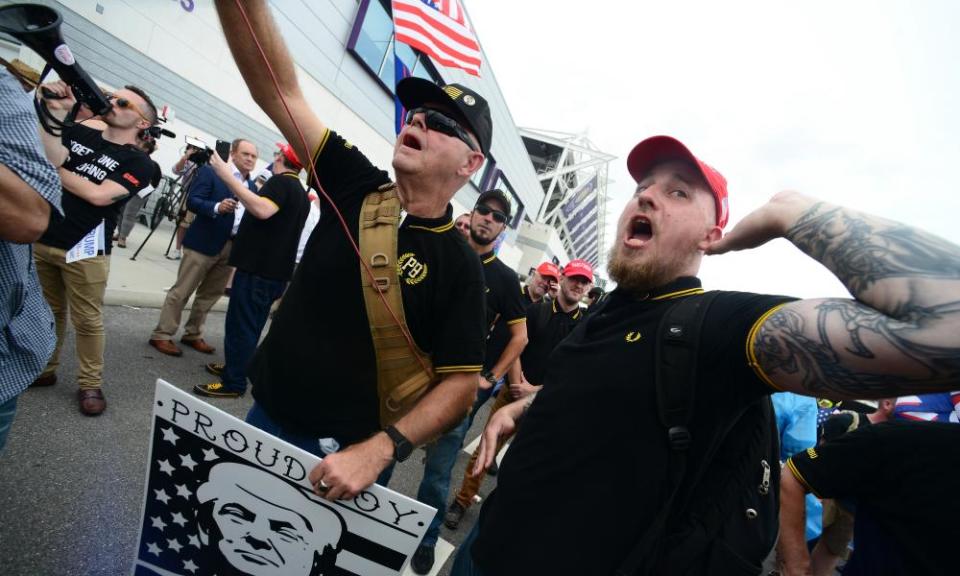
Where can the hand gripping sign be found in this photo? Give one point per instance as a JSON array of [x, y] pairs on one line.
[[223, 497]]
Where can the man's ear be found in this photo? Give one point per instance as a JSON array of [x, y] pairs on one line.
[[712, 235], [473, 163]]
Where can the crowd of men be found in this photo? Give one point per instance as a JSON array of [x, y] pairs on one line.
[[640, 426]]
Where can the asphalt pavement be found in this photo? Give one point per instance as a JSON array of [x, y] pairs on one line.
[[71, 486]]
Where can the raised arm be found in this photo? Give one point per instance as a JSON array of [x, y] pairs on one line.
[[901, 334], [250, 61]]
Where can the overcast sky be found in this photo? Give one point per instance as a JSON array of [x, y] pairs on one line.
[[854, 102]]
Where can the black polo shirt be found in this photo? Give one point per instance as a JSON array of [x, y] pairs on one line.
[[315, 372], [505, 305], [586, 473], [268, 247], [96, 160], [903, 478], [547, 325]]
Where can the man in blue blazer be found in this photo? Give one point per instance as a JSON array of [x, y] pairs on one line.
[[206, 249]]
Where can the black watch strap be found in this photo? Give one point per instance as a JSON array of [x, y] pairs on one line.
[[402, 448]]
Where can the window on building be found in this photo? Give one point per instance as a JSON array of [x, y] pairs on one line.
[[372, 43], [518, 209]]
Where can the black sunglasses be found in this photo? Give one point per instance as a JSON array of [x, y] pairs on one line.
[[436, 120], [498, 216]]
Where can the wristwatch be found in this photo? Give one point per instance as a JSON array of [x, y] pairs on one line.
[[489, 377], [402, 448]]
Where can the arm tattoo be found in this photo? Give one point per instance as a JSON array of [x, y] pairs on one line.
[[862, 250], [844, 365]]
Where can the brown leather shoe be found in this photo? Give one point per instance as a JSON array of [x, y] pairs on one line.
[[199, 345], [167, 347], [92, 402], [44, 380]]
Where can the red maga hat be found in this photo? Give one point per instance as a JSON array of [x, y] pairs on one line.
[[549, 269], [290, 155], [579, 268], [658, 149]]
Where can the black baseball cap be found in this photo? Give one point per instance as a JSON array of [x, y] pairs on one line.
[[415, 92], [499, 196]]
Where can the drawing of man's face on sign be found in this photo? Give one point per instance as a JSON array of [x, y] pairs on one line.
[[263, 526]]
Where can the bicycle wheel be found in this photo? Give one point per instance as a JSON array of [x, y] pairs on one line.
[[159, 211]]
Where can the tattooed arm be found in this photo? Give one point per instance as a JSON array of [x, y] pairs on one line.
[[901, 333]]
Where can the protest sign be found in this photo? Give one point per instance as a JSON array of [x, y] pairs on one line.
[[223, 497], [88, 246]]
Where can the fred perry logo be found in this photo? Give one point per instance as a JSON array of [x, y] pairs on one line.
[[469, 100], [410, 269], [811, 453], [453, 92], [633, 337]]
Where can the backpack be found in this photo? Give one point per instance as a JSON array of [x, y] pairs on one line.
[[723, 516], [404, 373]]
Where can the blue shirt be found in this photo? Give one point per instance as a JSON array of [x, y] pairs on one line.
[[797, 423], [27, 335]]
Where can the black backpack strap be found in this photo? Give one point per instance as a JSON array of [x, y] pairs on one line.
[[676, 348]]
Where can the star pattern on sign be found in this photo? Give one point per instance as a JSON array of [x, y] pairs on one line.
[[162, 496], [179, 519], [190, 566], [183, 491], [170, 436], [209, 455], [187, 462], [153, 549], [194, 541], [174, 544], [158, 522], [166, 467]]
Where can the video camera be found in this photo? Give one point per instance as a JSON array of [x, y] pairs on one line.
[[202, 151], [38, 27]]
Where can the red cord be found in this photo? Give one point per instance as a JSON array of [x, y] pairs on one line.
[[316, 181]]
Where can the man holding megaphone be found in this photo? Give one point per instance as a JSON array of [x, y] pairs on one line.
[[101, 171]]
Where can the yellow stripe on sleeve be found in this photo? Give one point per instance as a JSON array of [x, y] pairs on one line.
[[799, 476], [751, 343]]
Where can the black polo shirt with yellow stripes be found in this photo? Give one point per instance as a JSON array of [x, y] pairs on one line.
[[505, 306], [587, 470], [315, 372], [547, 326]]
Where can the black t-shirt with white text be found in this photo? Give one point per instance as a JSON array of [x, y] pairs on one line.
[[903, 478], [268, 247], [543, 337], [586, 472], [505, 305], [315, 372], [97, 160]]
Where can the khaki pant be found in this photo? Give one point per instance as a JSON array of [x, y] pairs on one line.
[[471, 484], [79, 288], [205, 275]]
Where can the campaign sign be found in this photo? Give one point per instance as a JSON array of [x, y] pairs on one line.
[[223, 498]]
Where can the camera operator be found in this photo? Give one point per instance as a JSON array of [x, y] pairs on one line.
[[185, 168], [204, 268], [102, 171]]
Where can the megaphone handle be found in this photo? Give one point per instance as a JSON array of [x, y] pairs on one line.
[[50, 94]]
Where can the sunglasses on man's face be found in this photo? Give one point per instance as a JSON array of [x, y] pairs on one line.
[[127, 105], [440, 122], [498, 216]]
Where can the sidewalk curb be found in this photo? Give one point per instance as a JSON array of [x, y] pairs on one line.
[[141, 299]]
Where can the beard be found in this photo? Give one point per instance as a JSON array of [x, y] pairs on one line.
[[639, 277], [481, 241]]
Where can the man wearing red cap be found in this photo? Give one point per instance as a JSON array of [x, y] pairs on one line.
[[548, 322], [587, 473], [264, 253], [543, 282]]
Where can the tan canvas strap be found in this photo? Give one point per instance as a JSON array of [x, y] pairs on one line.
[[401, 379]]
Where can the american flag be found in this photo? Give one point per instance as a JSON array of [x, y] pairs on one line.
[[170, 537], [439, 29]]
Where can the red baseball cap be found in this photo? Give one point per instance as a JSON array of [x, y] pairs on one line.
[[549, 269], [290, 155], [579, 268], [658, 149]]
